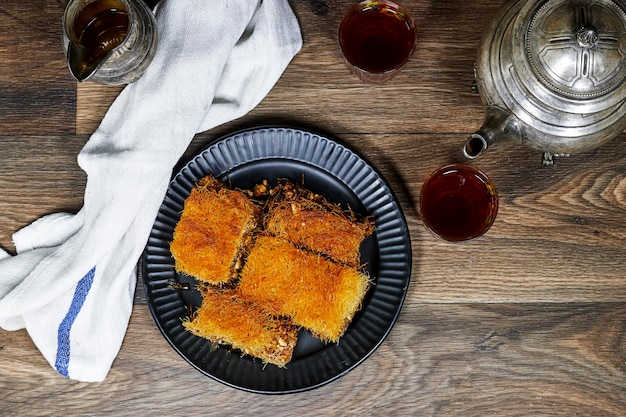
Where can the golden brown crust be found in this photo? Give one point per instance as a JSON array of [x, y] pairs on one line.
[[309, 221], [225, 317], [302, 268], [211, 236], [316, 293]]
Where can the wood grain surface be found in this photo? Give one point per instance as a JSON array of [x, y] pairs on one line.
[[528, 320]]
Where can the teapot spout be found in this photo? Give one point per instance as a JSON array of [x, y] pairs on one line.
[[499, 124]]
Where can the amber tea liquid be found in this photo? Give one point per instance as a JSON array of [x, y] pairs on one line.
[[377, 37], [458, 203], [101, 26]]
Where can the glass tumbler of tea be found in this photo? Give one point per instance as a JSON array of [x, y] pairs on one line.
[[458, 202], [377, 39], [108, 41]]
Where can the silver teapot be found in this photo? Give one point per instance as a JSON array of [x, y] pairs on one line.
[[552, 75]]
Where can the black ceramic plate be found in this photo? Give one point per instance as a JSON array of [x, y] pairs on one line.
[[325, 167]]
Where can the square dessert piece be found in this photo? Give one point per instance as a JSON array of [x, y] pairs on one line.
[[318, 294], [309, 221], [214, 229], [226, 318]]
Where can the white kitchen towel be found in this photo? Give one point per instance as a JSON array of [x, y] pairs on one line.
[[72, 281]]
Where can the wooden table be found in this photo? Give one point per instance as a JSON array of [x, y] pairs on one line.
[[529, 320]]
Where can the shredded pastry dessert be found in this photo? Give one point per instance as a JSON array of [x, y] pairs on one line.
[[307, 220], [316, 293], [270, 261], [210, 239], [224, 317]]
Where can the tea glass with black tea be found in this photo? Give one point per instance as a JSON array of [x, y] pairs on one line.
[[377, 39], [458, 202], [108, 41]]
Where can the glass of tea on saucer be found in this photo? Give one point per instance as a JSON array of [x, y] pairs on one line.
[[458, 202], [377, 39]]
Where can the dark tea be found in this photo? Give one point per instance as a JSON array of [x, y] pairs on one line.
[[458, 202], [101, 26], [377, 38]]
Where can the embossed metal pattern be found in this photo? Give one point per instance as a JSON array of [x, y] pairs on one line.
[[576, 48], [554, 72]]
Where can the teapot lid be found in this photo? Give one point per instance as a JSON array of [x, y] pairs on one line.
[[577, 48]]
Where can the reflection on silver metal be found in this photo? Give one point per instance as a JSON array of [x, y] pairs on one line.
[[587, 36], [548, 158], [553, 72]]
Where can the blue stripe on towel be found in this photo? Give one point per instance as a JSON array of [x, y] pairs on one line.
[[63, 337]]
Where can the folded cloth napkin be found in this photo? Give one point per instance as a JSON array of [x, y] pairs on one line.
[[72, 281]]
